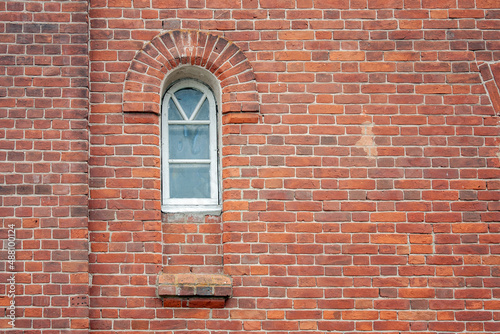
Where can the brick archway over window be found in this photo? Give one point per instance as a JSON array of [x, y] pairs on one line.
[[165, 52]]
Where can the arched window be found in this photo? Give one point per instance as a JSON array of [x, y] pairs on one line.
[[190, 177]]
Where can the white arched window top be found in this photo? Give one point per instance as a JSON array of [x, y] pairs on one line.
[[190, 181]]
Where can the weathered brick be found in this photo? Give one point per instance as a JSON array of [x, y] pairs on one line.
[[359, 158]]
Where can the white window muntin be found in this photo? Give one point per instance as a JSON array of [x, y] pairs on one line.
[[189, 204]]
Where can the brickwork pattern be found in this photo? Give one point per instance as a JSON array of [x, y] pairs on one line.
[[490, 73], [44, 163], [362, 197], [192, 244]]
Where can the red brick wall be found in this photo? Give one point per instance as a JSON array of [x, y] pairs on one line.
[[44, 162], [360, 192]]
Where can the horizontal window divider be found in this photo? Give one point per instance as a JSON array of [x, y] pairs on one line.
[[194, 122], [189, 161]]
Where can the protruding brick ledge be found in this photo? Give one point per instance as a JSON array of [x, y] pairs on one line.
[[195, 285], [240, 118]]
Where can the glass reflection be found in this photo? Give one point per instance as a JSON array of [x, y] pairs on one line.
[[189, 181]]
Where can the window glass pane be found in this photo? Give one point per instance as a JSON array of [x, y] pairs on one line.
[[188, 99], [188, 141], [204, 113], [189, 181], [173, 113]]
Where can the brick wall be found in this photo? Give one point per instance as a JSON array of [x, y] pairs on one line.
[[360, 155], [44, 162]]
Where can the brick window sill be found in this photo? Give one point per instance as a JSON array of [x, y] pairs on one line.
[[194, 285]]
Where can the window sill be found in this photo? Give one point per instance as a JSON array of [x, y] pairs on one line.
[[201, 209], [194, 285]]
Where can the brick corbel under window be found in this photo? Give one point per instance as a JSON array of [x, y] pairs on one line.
[[194, 285]]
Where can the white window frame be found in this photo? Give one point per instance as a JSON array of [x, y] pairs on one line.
[[207, 205]]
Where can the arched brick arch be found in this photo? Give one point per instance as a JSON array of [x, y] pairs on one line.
[[142, 91]]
